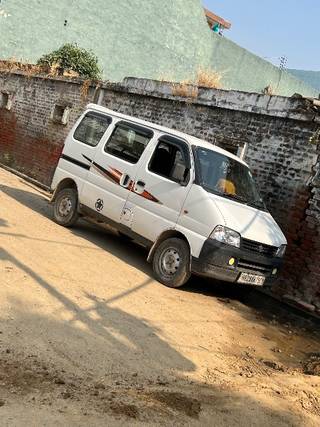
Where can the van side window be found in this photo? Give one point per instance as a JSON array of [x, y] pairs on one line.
[[169, 161], [128, 141], [92, 128]]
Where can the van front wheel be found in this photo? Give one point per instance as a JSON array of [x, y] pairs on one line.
[[171, 262], [65, 208]]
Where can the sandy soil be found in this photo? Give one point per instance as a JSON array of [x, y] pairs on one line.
[[87, 337]]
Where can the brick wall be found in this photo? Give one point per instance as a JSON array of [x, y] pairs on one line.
[[30, 141], [275, 129]]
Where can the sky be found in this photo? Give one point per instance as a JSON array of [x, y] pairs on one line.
[[274, 28]]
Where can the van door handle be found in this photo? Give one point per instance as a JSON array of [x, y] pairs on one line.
[[139, 187], [125, 180]]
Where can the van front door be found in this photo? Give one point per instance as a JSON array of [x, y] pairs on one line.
[[113, 169], [161, 187]]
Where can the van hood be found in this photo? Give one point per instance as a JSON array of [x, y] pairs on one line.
[[251, 223]]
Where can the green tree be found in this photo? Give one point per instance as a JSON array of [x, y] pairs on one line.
[[72, 57]]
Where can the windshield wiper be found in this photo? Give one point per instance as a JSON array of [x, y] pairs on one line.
[[257, 204], [234, 197]]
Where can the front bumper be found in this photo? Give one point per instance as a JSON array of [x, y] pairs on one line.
[[214, 262]]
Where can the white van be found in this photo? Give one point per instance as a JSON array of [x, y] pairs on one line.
[[193, 205]]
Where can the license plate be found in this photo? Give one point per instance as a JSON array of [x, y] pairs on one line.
[[251, 279]]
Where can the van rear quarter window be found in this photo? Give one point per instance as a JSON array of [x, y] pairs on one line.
[[92, 128]]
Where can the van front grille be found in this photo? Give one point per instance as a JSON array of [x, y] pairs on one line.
[[254, 266], [260, 248]]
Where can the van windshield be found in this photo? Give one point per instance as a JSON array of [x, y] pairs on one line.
[[226, 177]]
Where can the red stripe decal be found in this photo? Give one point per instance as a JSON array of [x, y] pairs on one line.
[[115, 175]]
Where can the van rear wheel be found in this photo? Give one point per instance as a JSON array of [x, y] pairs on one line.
[[171, 263], [65, 208]]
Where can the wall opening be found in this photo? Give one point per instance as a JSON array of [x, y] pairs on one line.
[[238, 149], [4, 100], [60, 114]]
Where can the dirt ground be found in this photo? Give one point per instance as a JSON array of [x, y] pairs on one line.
[[88, 337]]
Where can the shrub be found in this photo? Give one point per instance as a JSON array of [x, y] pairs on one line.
[[70, 57]]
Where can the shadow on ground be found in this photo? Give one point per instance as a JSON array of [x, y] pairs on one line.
[[141, 376], [250, 303], [264, 306], [3, 223], [141, 373]]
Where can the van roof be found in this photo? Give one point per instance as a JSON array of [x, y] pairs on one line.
[[189, 138]]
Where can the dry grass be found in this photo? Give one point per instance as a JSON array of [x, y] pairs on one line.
[[269, 90], [185, 89], [85, 90], [12, 65], [209, 79], [190, 88]]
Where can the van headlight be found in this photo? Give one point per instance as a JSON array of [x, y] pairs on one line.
[[281, 251], [226, 235]]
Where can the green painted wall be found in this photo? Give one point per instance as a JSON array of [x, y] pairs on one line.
[[245, 71], [139, 38], [310, 77]]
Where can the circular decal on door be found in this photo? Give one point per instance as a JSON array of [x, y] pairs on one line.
[[99, 205]]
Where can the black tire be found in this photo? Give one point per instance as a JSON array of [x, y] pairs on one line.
[[171, 262], [65, 208]]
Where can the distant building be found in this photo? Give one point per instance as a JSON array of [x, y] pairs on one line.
[[215, 22]]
